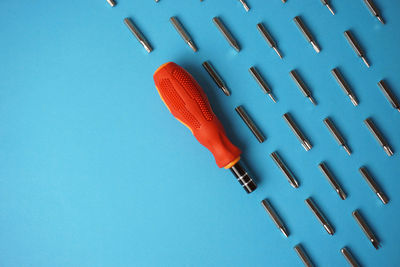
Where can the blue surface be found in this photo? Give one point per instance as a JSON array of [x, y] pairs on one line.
[[96, 172]]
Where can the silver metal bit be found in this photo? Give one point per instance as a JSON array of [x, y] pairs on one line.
[[111, 2], [139, 36], [249, 122], [307, 34], [356, 46], [284, 1], [268, 38], [321, 218], [274, 216], [302, 86], [183, 33], [303, 255], [217, 79], [389, 94], [373, 185], [366, 229], [378, 136], [282, 166], [261, 82], [327, 4], [296, 130], [227, 34], [331, 179], [345, 86], [336, 134], [349, 257], [375, 12], [245, 5]]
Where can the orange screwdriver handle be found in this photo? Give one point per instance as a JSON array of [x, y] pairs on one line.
[[186, 100]]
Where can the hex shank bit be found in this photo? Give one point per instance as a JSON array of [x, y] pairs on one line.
[[336, 134], [227, 34], [249, 122], [302, 86], [183, 33], [331, 179], [378, 136], [139, 36], [373, 185], [296, 130], [356, 46], [274, 216], [366, 229], [282, 166], [111, 2], [303, 255], [216, 78], [327, 4], [390, 96], [345, 86], [261, 82], [268, 38], [349, 257], [245, 5], [321, 218], [374, 11], [306, 32]]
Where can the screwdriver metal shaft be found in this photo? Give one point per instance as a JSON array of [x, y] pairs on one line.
[[373, 185], [378, 136], [374, 11], [111, 2], [296, 130], [139, 36], [345, 86], [366, 229], [216, 78], [302, 86], [349, 257], [331, 179], [261, 82], [183, 33], [356, 46], [307, 34], [389, 94], [249, 122], [227, 34], [321, 218], [245, 5], [274, 216], [268, 38], [303, 255], [282, 166], [327, 4], [336, 134]]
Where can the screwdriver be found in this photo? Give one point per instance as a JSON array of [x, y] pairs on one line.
[[356, 46], [188, 103], [372, 8]]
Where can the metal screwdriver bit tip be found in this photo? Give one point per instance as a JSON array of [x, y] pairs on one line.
[[111, 2], [286, 171], [303, 255], [183, 33], [216, 78], [336, 134], [331, 179], [245, 5], [374, 10], [344, 85], [373, 185], [366, 229], [349, 257], [261, 82], [268, 38], [389, 94], [306, 33], [250, 123], [302, 86], [296, 130], [226, 33], [139, 36], [320, 216], [274, 216], [356, 46], [378, 136]]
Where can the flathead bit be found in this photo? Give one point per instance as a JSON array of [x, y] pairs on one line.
[[331, 179], [318, 214], [216, 78], [349, 257], [245, 5], [374, 10], [111, 2], [183, 33], [261, 82], [296, 130], [336, 134], [303, 255], [274, 216], [390, 96], [307, 34], [286, 171], [139, 36], [356, 46], [344, 85], [226, 33], [378, 136], [366, 229], [302, 86], [373, 185]]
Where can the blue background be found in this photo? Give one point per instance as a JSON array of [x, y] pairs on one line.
[[96, 172]]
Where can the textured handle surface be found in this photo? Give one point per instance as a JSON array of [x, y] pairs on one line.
[[188, 103]]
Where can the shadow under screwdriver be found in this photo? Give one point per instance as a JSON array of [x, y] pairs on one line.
[[336, 134], [373, 185], [268, 38], [282, 166], [374, 10], [227, 34], [216, 78], [366, 229], [378, 136], [389, 95], [321, 218], [183, 33], [249, 122], [356, 46], [306, 32], [302, 86], [345, 86], [261, 82], [331, 179], [274, 216], [296, 130]]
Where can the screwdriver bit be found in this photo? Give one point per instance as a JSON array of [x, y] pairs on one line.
[[111, 2], [249, 122], [389, 94], [378, 136], [139, 36], [274, 216], [282, 166], [336, 134], [345, 86], [302, 86], [183, 33], [261, 82], [303, 255], [321, 218], [217, 79], [349, 257], [374, 11], [296, 130], [331, 179], [307, 34], [356, 46], [373, 185], [327, 4], [268, 38], [366, 229], [245, 5], [227, 34]]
